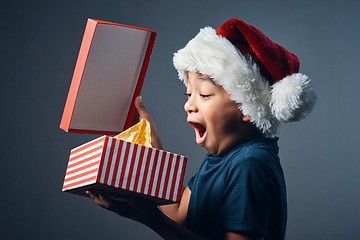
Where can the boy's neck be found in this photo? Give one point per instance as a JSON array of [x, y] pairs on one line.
[[250, 133]]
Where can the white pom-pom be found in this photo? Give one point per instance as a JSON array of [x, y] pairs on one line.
[[292, 98]]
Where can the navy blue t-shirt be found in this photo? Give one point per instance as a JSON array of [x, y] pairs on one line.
[[243, 190]]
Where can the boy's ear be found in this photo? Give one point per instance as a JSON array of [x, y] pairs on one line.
[[246, 118]]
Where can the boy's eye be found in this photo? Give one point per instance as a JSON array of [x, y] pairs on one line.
[[188, 95], [205, 95]]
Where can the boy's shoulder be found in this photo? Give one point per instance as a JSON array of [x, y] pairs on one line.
[[254, 152]]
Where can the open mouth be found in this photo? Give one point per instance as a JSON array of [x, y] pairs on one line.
[[200, 132]]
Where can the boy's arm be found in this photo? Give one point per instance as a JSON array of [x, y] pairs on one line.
[[147, 213], [178, 211], [238, 236]]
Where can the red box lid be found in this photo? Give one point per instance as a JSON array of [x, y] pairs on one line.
[[108, 76]]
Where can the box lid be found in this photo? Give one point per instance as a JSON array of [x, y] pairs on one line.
[[108, 76]]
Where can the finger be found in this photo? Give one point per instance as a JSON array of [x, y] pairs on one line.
[[104, 201], [143, 113], [98, 198], [92, 194], [138, 102]]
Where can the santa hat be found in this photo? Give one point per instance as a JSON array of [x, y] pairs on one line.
[[260, 75]]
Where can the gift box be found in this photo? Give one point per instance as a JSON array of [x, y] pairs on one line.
[[108, 76], [121, 168]]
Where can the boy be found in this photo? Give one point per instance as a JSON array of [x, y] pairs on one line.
[[240, 87]]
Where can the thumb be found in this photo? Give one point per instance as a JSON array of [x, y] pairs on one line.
[[143, 113]]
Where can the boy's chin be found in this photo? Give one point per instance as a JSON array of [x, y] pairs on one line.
[[213, 150], [217, 148]]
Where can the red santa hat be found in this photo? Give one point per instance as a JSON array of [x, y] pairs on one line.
[[260, 75]]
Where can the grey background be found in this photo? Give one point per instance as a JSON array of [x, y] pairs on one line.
[[39, 43]]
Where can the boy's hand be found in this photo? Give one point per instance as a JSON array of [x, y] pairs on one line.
[[134, 208], [144, 114]]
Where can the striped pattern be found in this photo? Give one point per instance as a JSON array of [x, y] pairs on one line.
[[120, 165]]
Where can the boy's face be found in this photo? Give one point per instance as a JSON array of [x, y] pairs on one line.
[[219, 124]]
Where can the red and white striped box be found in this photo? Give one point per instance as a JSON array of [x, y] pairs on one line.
[[119, 168]]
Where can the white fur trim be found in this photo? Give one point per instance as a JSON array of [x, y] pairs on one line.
[[292, 98]]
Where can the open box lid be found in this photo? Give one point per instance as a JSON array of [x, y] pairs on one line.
[[108, 76]]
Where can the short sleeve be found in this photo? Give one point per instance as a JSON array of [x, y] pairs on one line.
[[248, 191], [191, 183]]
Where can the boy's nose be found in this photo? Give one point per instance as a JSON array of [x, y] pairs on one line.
[[190, 106]]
